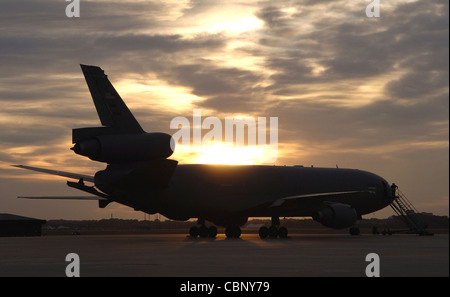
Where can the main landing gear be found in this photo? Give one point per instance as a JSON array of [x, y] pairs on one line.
[[234, 231], [203, 231], [211, 232], [274, 230]]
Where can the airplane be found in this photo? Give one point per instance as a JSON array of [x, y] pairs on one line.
[[140, 174]]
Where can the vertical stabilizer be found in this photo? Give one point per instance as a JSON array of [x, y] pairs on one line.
[[111, 109]]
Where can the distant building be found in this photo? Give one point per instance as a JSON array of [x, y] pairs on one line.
[[14, 225]]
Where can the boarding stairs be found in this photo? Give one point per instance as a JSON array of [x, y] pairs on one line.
[[409, 215]]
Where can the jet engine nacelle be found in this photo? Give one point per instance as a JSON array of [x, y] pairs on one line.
[[123, 148], [336, 215]]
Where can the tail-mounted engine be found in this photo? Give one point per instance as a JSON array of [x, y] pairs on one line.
[[122, 148]]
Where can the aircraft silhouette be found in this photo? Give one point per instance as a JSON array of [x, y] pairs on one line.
[[140, 175]]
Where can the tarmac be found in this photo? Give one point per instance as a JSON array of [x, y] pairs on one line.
[[175, 255]]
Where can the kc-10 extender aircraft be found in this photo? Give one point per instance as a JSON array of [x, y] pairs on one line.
[[140, 175]]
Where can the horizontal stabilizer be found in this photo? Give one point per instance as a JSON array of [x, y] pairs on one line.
[[64, 197], [60, 173]]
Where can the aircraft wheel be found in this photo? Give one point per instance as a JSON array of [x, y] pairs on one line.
[[233, 232], [263, 232], [194, 232], [237, 232], [283, 232], [203, 231], [354, 231], [212, 232], [273, 232]]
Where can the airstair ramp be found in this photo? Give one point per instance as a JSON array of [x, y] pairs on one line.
[[409, 215]]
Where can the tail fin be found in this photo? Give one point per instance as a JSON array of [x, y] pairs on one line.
[[111, 109]]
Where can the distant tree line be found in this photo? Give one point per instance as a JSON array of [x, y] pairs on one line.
[[115, 225]]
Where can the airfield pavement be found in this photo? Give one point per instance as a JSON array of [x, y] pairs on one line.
[[175, 255]]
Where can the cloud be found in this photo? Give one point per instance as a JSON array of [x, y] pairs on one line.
[[410, 41], [367, 127], [321, 59], [163, 43], [332, 53], [418, 84]]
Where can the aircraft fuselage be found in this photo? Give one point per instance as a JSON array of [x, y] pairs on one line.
[[216, 192]]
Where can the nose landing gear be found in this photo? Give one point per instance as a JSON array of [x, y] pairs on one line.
[[354, 231]]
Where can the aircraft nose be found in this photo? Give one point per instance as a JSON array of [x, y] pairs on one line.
[[388, 190]]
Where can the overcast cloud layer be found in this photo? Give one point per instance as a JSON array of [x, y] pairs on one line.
[[367, 93]]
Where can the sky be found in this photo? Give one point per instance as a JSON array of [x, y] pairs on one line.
[[348, 90]]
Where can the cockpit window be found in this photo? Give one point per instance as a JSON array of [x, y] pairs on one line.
[[385, 187]]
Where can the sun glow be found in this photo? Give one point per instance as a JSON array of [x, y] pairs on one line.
[[225, 153], [235, 25], [158, 94]]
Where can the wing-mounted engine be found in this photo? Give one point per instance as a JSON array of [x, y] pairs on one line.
[[335, 215]]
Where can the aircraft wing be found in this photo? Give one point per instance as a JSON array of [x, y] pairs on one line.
[[60, 173], [281, 201], [304, 203]]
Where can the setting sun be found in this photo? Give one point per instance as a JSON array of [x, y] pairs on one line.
[[224, 153]]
